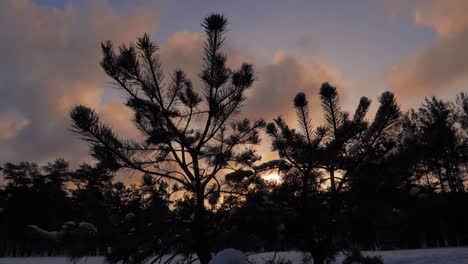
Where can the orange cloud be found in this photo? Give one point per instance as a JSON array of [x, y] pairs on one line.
[[183, 50], [447, 17], [279, 81], [50, 57], [9, 127], [119, 117], [440, 67]]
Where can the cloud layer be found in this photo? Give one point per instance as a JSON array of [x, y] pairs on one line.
[[440, 67], [49, 63]]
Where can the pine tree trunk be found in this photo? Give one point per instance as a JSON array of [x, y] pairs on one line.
[[439, 174], [318, 256], [199, 230], [318, 259], [332, 180]]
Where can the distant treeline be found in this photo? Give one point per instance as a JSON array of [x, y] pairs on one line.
[[413, 198]]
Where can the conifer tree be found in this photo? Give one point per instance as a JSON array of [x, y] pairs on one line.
[[440, 131], [321, 161], [176, 147], [339, 145]]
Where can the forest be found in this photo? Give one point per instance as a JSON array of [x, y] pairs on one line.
[[396, 179]]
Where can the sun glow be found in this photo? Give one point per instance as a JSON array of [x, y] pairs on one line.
[[272, 176]]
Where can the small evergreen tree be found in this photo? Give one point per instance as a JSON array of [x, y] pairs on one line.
[[190, 136], [314, 157]]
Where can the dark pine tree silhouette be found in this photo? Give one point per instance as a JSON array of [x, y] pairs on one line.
[[461, 104], [328, 157], [190, 136], [440, 133]]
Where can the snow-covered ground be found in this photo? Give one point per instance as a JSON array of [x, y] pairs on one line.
[[419, 256], [416, 256]]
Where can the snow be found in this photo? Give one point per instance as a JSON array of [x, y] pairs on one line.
[[38, 232], [425, 256], [417, 256], [129, 217], [230, 256], [50, 260], [414, 191], [87, 229], [83, 229]]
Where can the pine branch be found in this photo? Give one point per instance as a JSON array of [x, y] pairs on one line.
[[302, 110], [331, 105]]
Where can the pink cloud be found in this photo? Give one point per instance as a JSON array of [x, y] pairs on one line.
[[441, 67], [50, 60]]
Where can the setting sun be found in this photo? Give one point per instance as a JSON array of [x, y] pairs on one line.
[[272, 176]]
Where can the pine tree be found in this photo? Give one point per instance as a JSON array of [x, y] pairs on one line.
[[175, 147], [461, 103], [328, 157], [339, 145], [440, 132]]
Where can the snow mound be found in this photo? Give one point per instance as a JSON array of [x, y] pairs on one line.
[[86, 229], [39, 233], [230, 256]]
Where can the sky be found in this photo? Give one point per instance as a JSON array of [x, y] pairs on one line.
[[49, 58]]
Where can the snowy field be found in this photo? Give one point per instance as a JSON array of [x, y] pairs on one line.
[[419, 256]]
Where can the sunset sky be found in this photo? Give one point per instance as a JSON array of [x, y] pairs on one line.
[[49, 55]]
